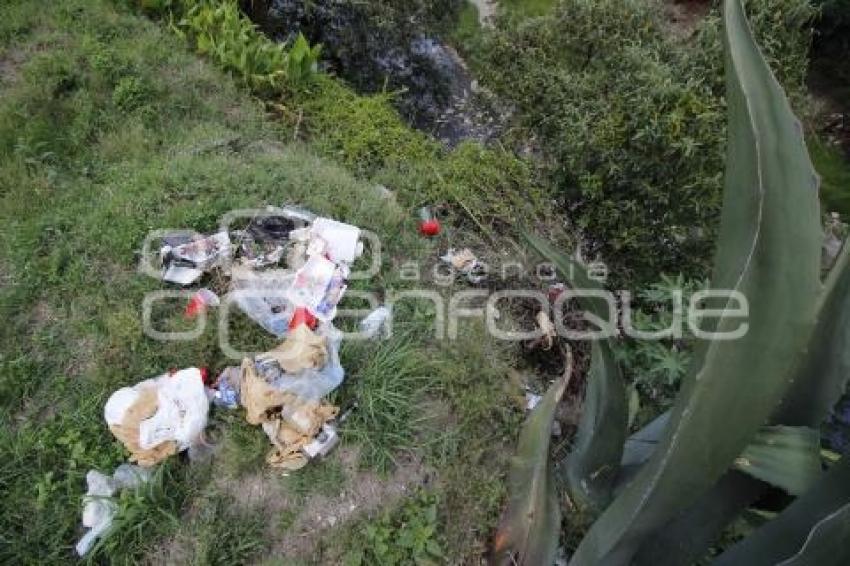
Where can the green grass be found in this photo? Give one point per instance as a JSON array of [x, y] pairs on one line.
[[834, 170], [111, 127], [528, 7]]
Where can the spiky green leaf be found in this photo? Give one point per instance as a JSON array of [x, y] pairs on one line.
[[768, 250], [814, 529], [528, 533], [784, 456], [823, 377], [594, 462]]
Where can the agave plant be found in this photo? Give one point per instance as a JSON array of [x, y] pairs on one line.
[[746, 418]]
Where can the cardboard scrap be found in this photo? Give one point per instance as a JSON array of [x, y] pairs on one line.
[[289, 422], [258, 397]]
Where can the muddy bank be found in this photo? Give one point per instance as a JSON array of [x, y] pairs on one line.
[[391, 46]]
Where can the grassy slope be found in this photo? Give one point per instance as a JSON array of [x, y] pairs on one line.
[[109, 128]]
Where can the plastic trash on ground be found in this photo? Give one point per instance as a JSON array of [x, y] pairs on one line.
[[99, 509], [319, 285], [302, 349], [227, 388], [311, 383], [185, 263], [262, 296], [323, 443], [200, 302], [264, 242], [290, 422], [159, 417], [428, 224], [375, 323], [337, 241], [465, 262], [289, 275]]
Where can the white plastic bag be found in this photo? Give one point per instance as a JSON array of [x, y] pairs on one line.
[[181, 414], [99, 508]]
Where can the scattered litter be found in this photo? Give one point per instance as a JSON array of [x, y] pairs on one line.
[[262, 297], [532, 400], [376, 323], [325, 441], [294, 428], [158, 417], [264, 242], [544, 323], [185, 263], [319, 286], [311, 383], [291, 422], [181, 274], [227, 387], [465, 262], [337, 241], [428, 225], [200, 302], [281, 390], [302, 316], [301, 350], [99, 509]]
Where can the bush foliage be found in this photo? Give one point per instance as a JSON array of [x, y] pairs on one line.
[[630, 119]]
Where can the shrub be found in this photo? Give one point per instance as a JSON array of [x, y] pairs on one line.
[[631, 120]]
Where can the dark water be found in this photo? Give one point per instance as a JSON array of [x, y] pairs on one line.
[[377, 48]]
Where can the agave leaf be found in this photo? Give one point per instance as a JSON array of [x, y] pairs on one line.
[[814, 529], [686, 538], [823, 377], [528, 533], [594, 462], [574, 272], [827, 542], [768, 250], [784, 456]]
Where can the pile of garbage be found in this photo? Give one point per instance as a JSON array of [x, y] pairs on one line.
[[287, 271]]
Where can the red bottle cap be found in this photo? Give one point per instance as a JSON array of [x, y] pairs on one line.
[[303, 316], [430, 228]]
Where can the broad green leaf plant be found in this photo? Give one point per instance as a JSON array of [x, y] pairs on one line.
[[744, 421], [219, 30]]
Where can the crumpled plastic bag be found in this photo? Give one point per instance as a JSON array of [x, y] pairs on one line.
[[311, 383], [99, 508], [302, 349], [262, 296], [289, 421], [159, 417]]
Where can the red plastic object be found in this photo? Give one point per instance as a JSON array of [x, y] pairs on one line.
[[429, 225], [430, 228], [196, 305], [205, 375], [303, 316]]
